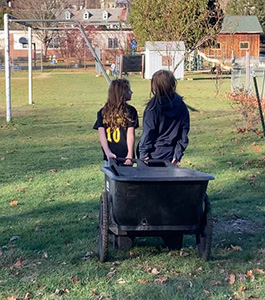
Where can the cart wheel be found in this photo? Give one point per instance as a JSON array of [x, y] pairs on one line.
[[103, 227], [204, 247], [124, 242], [173, 241]]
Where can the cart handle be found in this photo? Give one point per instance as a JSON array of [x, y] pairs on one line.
[[114, 162]]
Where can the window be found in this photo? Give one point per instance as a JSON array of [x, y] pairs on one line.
[[87, 15], [166, 61], [112, 43], [216, 46], [67, 15], [105, 15], [54, 43], [244, 45]]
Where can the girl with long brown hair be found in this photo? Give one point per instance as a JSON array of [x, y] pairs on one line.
[[116, 122]]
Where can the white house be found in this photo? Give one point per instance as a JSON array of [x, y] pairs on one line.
[[164, 55]]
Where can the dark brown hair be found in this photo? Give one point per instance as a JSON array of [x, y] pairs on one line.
[[115, 111], [163, 84]]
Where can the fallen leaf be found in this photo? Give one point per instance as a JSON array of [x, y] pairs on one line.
[[2, 158], [251, 176], [183, 254], [20, 189], [206, 292], [257, 149], [121, 281], [67, 291], [111, 274], [242, 288], [94, 292], [18, 262], [216, 283], [11, 298], [236, 248], [250, 274], [262, 251], [38, 229], [13, 203], [88, 255], [74, 279], [53, 170], [161, 279], [14, 238], [231, 278], [242, 277], [27, 296], [30, 179], [143, 281], [260, 271], [155, 271], [132, 254]]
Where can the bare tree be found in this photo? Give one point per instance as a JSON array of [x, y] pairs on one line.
[[40, 10], [195, 22]]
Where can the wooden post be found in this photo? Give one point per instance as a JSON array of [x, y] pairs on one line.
[[247, 73], [143, 65], [121, 66], [260, 107]]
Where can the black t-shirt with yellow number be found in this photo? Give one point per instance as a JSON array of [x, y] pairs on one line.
[[117, 139]]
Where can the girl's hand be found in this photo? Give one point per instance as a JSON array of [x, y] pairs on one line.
[[110, 155], [175, 162], [128, 162]]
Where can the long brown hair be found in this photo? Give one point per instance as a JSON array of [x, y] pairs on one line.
[[115, 111], [163, 86]]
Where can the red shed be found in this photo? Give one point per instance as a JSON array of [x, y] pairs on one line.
[[240, 34]]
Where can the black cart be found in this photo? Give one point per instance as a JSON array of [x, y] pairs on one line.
[[154, 199]]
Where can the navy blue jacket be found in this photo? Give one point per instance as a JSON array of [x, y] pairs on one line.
[[165, 129]]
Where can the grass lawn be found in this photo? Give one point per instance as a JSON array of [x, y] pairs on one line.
[[50, 184]]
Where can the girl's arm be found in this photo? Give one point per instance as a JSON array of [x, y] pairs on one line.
[[130, 144], [147, 140], [104, 142]]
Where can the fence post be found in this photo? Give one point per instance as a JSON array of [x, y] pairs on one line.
[[260, 107], [30, 63], [247, 73], [7, 69]]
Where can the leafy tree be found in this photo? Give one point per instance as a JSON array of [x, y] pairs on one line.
[[195, 22], [39, 10], [248, 8]]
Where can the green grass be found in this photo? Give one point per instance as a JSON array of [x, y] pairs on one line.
[[50, 163]]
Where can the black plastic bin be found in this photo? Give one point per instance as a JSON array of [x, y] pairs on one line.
[[154, 199]]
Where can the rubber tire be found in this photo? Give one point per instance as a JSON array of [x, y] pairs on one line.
[[124, 242], [103, 228], [173, 241], [204, 247]]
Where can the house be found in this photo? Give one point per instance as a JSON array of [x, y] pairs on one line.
[[106, 29], [239, 34]]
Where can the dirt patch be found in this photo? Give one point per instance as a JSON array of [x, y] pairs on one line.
[[42, 75], [238, 226]]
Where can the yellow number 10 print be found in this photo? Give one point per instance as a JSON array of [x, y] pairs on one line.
[[116, 135]]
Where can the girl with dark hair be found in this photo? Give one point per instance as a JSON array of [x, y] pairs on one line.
[[166, 121], [116, 122]]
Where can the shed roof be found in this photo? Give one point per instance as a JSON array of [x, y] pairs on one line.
[[161, 46], [241, 24]]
